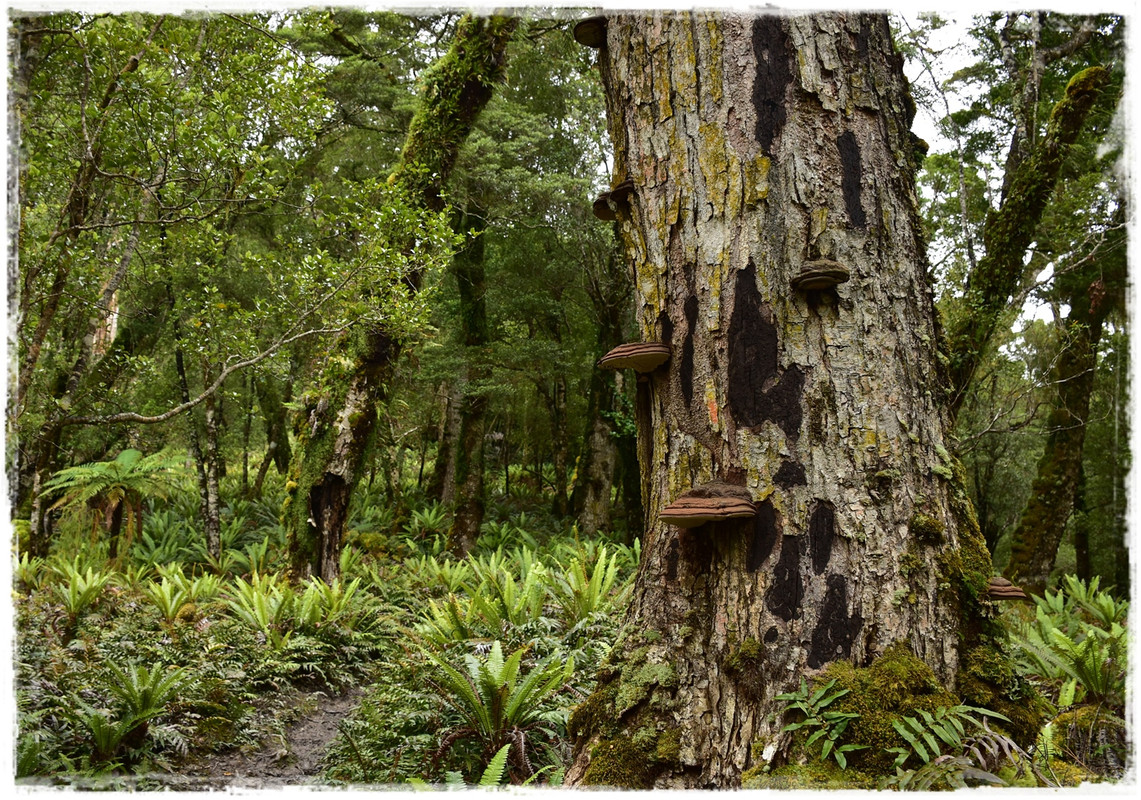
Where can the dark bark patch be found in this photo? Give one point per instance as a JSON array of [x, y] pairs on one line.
[[773, 53], [685, 369], [764, 536], [790, 474], [671, 561], [755, 392], [667, 327], [851, 173], [771, 635], [784, 597], [821, 531], [836, 629]]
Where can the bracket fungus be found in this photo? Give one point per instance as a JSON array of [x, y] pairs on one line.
[[591, 32], [710, 502], [604, 206], [820, 274], [999, 588], [639, 356]]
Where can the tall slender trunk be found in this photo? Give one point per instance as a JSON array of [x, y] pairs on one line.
[[770, 160], [457, 87], [609, 288], [1034, 545], [471, 283], [1009, 230]]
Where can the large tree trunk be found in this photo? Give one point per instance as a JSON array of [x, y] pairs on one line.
[[756, 146]]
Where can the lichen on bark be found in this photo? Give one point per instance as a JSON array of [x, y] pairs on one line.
[[797, 396]]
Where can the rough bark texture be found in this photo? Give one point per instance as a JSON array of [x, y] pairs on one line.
[[756, 145], [1056, 491]]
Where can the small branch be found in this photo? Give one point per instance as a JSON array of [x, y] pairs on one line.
[[131, 416]]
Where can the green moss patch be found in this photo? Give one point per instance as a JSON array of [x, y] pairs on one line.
[[987, 678], [895, 685]]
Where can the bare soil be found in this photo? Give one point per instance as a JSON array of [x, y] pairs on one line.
[[292, 762]]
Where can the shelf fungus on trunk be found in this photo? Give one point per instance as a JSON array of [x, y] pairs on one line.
[[607, 204], [999, 588], [591, 32], [820, 274], [602, 208], [710, 502], [639, 356]]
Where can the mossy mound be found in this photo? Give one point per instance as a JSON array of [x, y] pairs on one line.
[[634, 693], [988, 679], [814, 774], [1092, 739], [895, 685]]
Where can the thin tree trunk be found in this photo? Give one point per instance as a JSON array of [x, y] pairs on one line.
[[457, 88], [1053, 493], [1011, 228], [757, 147], [471, 281]]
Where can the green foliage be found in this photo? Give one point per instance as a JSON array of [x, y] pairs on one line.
[[168, 597], [265, 603], [497, 704], [931, 733], [1076, 636], [580, 595], [828, 725], [78, 591], [129, 478]]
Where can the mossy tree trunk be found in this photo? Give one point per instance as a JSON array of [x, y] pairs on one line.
[[341, 417], [1092, 295], [471, 284], [609, 287], [1010, 229], [755, 145]]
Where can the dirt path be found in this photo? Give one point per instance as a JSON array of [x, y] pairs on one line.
[[275, 765]]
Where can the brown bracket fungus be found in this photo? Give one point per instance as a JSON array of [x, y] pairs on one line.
[[820, 274], [621, 191], [591, 32], [710, 502], [602, 208], [999, 588], [639, 356]]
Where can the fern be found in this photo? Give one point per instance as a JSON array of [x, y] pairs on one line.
[[941, 733], [496, 768]]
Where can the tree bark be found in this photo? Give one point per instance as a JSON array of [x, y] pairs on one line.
[[1035, 541], [755, 146]]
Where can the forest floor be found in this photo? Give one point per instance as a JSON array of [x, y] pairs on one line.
[[291, 761]]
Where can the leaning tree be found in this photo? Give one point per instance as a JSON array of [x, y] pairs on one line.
[[801, 504]]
